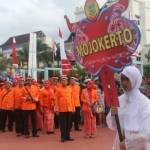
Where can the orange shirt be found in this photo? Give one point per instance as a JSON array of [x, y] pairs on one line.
[[88, 99], [76, 94], [7, 99], [29, 104], [46, 98], [64, 101], [19, 95]]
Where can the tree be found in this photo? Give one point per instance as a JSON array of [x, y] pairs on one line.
[[22, 55], [147, 56], [44, 55], [4, 62], [146, 69]]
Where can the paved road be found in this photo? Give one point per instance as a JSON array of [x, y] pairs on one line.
[[103, 141]]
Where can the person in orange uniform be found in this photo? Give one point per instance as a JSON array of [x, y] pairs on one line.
[[29, 109], [65, 108], [19, 96], [47, 105], [1, 89], [7, 106], [76, 97], [54, 85], [89, 96], [39, 117]]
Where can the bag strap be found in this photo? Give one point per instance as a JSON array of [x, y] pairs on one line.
[[32, 99]]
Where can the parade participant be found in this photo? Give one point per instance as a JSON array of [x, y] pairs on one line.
[[19, 96], [89, 96], [47, 106], [134, 112], [29, 109], [65, 108], [1, 89], [7, 106], [76, 97], [54, 84], [39, 117]]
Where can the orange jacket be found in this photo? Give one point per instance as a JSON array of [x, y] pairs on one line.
[[76, 94], [88, 99], [28, 104], [19, 96], [7, 99], [64, 101], [47, 98]]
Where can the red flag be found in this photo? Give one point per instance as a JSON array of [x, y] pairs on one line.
[[60, 33], [109, 87], [14, 54]]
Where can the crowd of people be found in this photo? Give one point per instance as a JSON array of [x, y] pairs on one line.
[[66, 103], [59, 102]]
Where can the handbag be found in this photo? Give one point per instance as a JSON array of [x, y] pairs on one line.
[[97, 108]]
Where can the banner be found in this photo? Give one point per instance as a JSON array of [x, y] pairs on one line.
[[105, 37]]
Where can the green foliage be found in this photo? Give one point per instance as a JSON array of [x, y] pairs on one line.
[[4, 62], [44, 55], [78, 71], [146, 69], [147, 56]]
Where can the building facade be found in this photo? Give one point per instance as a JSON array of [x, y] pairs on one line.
[[21, 40]]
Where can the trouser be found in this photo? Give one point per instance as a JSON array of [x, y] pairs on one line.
[[4, 115], [26, 115], [56, 121], [65, 119], [76, 118], [19, 121], [0, 119]]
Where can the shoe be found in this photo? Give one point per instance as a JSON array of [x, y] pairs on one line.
[[50, 132], [3, 130], [78, 129], [87, 136], [70, 139], [63, 140], [18, 134], [27, 136], [35, 135]]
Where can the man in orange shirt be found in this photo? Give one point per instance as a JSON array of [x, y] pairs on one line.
[[54, 85], [7, 106], [65, 108], [1, 89], [76, 97], [29, 109], [19, 96]]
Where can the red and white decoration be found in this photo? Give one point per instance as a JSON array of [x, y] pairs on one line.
[[14, 53], [65, 64]]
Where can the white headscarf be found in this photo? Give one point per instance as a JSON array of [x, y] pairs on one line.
[[134, 106], [134, 75]]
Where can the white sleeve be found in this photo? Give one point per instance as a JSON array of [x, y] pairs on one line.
[[111, 121]]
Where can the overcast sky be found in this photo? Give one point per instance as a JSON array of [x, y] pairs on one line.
[[23, 16]]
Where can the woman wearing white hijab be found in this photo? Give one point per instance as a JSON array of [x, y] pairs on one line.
[[134, 113]]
